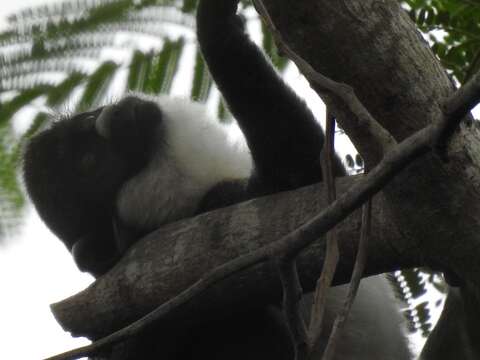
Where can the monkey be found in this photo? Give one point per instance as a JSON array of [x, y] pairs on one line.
[[104, 178]]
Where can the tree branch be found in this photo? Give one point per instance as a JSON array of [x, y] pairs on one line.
[[357, 275], [332, 254], [458, 106], [292, 295]]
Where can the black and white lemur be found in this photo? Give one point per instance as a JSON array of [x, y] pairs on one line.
[[102, 179]]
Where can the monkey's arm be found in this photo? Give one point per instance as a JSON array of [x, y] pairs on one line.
[[282, 134]]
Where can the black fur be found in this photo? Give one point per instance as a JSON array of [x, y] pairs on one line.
[[281, 132], [73, 174]]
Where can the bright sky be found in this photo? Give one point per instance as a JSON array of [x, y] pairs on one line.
[[9, 7], [36, 269]]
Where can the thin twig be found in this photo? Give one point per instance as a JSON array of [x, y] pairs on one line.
[[327, 165], [459, 105], [358, 269], [332, 253], [292, 295]]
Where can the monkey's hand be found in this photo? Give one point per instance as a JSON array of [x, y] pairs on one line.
[[94, 255], [217, 21], [130, 126]]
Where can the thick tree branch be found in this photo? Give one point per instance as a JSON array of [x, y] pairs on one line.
[[174, 256], [157, 268]]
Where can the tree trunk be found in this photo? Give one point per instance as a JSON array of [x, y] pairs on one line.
[[374, 47]]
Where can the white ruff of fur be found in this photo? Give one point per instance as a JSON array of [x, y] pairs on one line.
[[194, 155]]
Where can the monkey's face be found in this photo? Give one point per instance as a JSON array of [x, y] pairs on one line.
[[72, 175]]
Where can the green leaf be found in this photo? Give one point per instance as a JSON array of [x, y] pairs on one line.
[[139, 69], [163, 67], [271, 49], [189, 6], [61, 92], [202, 81], [97, 85], [24, 98]]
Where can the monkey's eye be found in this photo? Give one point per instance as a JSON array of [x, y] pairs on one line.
[[87, 162]]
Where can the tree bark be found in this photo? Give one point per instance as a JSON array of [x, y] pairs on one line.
[[172, 258]]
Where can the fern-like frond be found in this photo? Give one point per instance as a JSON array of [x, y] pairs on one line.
[[71, 53]]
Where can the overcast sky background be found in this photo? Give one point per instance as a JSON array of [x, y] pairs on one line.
[[37, 270]]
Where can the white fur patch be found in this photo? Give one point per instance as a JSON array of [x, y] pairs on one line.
[[194, 155]]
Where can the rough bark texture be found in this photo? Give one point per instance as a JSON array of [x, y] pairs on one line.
[[374, 47], [170, 259]]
